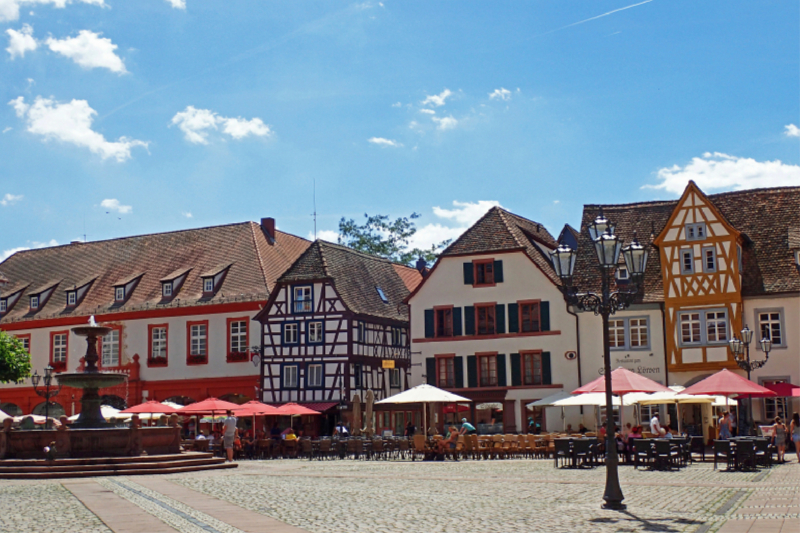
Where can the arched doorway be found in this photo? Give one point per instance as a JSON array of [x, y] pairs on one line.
[[114, 401], [11, 409], [55, 410]]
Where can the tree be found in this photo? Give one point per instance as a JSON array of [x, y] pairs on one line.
[[385, 238], [15, 361]]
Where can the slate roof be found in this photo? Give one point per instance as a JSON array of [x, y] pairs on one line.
[[356, 276], [500, 230], [255, 267], [768, 219]]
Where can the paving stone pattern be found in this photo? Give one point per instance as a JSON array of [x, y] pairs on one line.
[[44, 507]]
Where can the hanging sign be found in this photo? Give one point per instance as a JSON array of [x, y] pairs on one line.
[[388, 363]]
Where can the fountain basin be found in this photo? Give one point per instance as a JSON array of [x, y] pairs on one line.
[[84, 380]]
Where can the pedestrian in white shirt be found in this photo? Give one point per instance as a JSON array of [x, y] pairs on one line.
[[655, 425]]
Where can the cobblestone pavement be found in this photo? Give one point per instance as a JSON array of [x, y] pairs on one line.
[[464, 497]]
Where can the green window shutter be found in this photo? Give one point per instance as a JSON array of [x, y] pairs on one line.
[[501, 370], [430, 370], [458, 368], [429, 324], [469, 320], [516, 370], [498, 272], [547, 378], [544, 315], [469, 274], [513, 318], [457, 322], [472, 371], [500, 318]]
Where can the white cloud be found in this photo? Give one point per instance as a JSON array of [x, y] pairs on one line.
[[197, 123], [71, 122], [177, 4], [89, 50], [792, 131], [455, 222], [501, 93], [427, 111], [5, 254], [437, 100], [21, 41], [380, 141], [7, 129], [186, 214], [9, 9], [722, 171], [325, 235], [397, 104], [446, 123], [112, 204], [10, 199]]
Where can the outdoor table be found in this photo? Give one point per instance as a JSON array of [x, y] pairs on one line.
[[574, 452]]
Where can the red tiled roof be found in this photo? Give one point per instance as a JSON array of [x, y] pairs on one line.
[[410, 276], [255, 267]]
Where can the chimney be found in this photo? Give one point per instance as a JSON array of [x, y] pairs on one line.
[[422, 265], [268, 225]]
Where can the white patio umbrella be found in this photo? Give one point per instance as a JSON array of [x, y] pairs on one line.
[[548, 401], [4, 415], [675, 397], [425, 394], [591, 399], [107, 412]]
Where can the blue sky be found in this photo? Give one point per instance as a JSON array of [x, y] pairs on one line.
[[126, 117]]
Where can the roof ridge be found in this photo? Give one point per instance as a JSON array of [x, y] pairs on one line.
[[502, 212], [258, 253], [354, 251], [323, 259]]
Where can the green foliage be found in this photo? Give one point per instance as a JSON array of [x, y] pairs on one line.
[[15, 361], [385, 238]]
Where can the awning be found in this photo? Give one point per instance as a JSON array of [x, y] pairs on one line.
[[320, 406]]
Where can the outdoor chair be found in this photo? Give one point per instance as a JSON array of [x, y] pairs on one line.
[[526, 444], [354, 448], [763, 453], [497, 449], [582, 450], [403, 448], [290, 448], [667, 454], [746, 454], [306, 448], [325, 449], [480, 448], [539, 447], [419, 447], [378, 451], [722, 450], [696, 445], [200, 446], [468, 451], [562, 452], [641, 452]]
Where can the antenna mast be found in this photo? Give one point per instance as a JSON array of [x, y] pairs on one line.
[[315, 208]]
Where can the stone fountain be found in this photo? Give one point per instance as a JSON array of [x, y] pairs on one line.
[[91, 379]]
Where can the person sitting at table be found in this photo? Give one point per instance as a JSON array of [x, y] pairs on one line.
[[288, 434], [249, 444], [275, 432], [341, 430], [570, 431], [449, 442], [582, 429], [201, 435], [667, 432], [467, 428]]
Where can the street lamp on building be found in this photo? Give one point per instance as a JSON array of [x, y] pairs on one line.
[[740, 347], [607, 247], [46, 392]]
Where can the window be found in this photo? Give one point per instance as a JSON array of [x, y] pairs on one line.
[[616, 333], [709, 260], [35, 302], [72, 298], [198, 342], [622, 274], [3, 305], [775, 406], [303, 299], [487, 370], [360, 332], [532, 368], [444, 322], [639, 336], [314, 332], [394, 378], [208, 285], [290, 332], [687, 262], [358, 376], [383, 296], [290, 377], [26, 342], [397, 336], [770, 323], [486, 319], [166, 289], [629, 334], [119, 293], [703, 327], [58, 350], [484, 272], [314, 378], [529, 317], [110, 345], [696, 232], [158, 344], [237, 330], [445, 372]]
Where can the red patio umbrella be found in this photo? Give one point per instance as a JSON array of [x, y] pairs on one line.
[[452, 409], [294, 409], [256, 408], [207, 406], [727, 383], [623, 382], [784, 390], [151, 406]]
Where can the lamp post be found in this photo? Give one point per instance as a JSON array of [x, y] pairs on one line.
[[45, 392], [605, 303], [741, 353]]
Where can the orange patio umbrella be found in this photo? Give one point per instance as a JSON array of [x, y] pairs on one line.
[[294, 409]]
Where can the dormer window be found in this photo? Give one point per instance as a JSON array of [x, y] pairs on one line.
[[3, 305], [208, 285], [622, 274], [166, 289], [72, 298], [119, 294], [35, 302], [696, 232]]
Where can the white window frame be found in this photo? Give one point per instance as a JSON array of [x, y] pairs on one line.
[[198, 340], [626, 328], [26, 343], [704, 328], [72, 298], [394, 378], [314, 376], [34, 302], [684, 253], [110, 346], [158, 343], [305, 299], [696, 231], [290, 375], [3, 305], [238, 336], [119, 294], [779, 322], [699, 341], [60, 348], [705, 258], [166, 289], [316, 332], [208, 285], [622, 274], [290, 333]]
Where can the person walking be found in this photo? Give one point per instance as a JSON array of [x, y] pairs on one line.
[[794, 429], [780, 438], [725, 426], [229, 434]]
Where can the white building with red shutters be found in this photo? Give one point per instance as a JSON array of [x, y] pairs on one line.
[[181, 305]]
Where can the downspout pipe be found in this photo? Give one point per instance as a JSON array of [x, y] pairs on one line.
[[578, 348]]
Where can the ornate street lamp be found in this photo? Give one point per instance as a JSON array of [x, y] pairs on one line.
[[605, 303], [46, 391], [740, 347]]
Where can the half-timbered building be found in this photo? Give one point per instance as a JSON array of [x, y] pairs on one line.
[[335, 326]]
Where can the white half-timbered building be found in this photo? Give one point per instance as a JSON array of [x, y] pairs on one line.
[[336, 326]]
